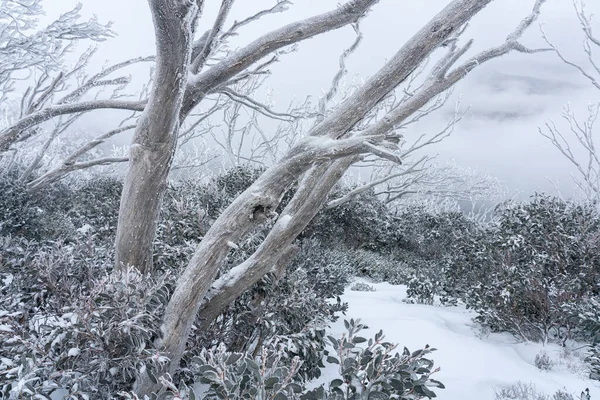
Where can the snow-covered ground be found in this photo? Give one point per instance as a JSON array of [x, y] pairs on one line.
[[472, 364]]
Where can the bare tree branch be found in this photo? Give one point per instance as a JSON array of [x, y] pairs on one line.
[[12, 134], [208, 81], [213, 35], [580, 134]]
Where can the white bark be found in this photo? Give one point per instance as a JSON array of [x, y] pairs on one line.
[[155, 137]]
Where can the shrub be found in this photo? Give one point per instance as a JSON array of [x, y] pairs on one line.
[[232, 376], [432, 236], [361, 223], [373, 372], [593, 360], [362, 287], [522, 391], [39, 215], [365, 372], [69, 324], [378, 267], [292, 309], [422, 287], [523, 272], [234, 181], [96, 204], [543, 362]]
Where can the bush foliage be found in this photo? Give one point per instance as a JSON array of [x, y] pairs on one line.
[[69, 322]]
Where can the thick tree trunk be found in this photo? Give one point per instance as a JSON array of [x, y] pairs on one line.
[[155, 138]]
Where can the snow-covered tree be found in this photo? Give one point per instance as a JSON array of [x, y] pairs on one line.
[[578, 142], [341, 137]]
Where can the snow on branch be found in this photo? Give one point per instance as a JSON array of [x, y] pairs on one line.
[[580, 137], [70, 164], [210, 41], [24, 47], [210, 80], [12, 134]]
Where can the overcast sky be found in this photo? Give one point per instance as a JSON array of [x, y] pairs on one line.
[[508, 98]]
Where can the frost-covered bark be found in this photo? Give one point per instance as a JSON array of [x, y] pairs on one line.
[[155, 137], [15, 132], [208, 81]]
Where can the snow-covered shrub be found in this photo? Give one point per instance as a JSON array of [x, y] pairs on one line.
[[377, 266], [543, 362], [522, 391], [96, 204], [235, 180], [584, 316], [362, 287], [232, 376], [593, 360], [522, 273], [370, 369], [423, 286], [292, 310], [561, 395], [68, 323], [432, 236], [34, 215], [361, 223], [430, 242]]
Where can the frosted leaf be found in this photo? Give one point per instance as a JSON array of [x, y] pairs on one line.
[[7, 362], [8, 279], [85, 229], [73, 352]]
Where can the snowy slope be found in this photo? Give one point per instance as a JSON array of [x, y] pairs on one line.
[[472, 364]]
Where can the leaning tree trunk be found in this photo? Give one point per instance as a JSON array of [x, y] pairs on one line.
[[155, 138]]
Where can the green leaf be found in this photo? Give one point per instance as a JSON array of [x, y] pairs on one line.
[[295, 387], [425, 391], [358, 339], [212, 376], [252, 364], [332, 360], [202, 369], [335, 383], [151, 376], [437, 383], [416, 353], [233, 358], [334, 342], [270, 382], [397, 385], [376, 395]]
